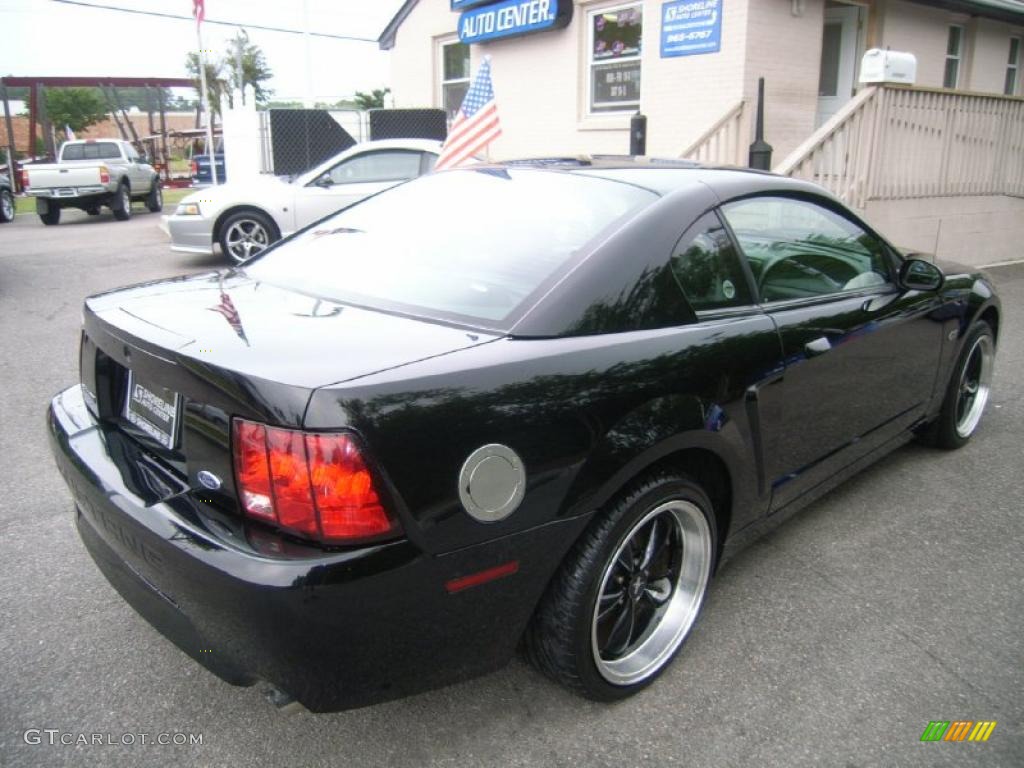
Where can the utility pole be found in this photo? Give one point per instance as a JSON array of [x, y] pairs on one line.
[[210, 149]]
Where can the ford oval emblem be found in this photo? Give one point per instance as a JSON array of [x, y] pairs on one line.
[[208, 480]]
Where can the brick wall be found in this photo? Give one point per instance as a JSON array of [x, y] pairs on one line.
[[176, 121]]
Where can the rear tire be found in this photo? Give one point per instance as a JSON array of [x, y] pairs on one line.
[[121, 205], [49, 213], [155, 198], [6, 206], [967, 392], [627, 595]]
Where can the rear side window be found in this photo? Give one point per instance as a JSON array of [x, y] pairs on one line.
[[707, 268], [100, 150]]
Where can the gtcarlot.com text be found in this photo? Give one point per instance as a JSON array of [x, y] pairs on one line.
[[56, 737]]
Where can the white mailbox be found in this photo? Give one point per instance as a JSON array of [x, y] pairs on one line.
[[880, 66]]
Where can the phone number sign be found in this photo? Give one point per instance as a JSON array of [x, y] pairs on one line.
[[690, 27]]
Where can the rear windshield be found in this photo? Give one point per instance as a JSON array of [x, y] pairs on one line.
[[100, 150], [472, 246]]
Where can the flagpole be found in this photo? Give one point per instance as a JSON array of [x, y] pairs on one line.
[[206, 103]]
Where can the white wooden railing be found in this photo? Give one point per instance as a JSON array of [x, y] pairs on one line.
[[724, 143], [891, 142]]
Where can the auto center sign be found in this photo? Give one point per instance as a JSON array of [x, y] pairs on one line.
[[483, 20]]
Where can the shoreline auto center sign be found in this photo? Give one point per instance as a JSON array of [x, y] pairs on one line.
[[690, 27], [488, 20]]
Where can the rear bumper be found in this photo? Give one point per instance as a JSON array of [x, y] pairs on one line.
[[335, 630]]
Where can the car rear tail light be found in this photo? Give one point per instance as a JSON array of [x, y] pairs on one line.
[[313, 484], [24, 178], [104, 175], [194, 168]]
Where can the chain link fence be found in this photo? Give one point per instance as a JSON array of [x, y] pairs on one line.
[[294, 140]]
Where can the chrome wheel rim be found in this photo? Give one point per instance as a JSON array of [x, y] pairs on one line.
[[126, 199], [159, 199], [7, 203], [651, 592], [245, 238], [974, 386]]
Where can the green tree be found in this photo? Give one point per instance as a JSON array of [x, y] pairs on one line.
[[372, 100], [75, 107], [254, 68], [216, 85]]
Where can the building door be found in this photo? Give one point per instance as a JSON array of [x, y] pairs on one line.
[[838, 60]]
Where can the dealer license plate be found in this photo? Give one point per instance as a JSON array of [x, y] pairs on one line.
[[153, 409]]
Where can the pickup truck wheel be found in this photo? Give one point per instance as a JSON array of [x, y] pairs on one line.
[[155, 198], [121, 205], [49, 213], [6, 205], [246, 233]]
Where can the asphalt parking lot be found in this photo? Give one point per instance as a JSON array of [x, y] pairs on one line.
[[891, 602]]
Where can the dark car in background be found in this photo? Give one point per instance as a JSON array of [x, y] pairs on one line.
[[6, 199], [199, 165], [521, 404]]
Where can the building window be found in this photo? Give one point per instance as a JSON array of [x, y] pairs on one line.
[[613, 43], [454, 76], [954, 53], [1012, 67]]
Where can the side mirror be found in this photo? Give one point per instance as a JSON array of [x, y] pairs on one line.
[[324, 182], [920, 275]]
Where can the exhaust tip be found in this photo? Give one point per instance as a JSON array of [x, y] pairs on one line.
[[285, 703]]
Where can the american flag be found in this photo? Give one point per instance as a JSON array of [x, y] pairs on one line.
[[199, 10], [476, 125], [226, 307]]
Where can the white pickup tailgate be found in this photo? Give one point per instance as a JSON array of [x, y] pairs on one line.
[[63, 176]]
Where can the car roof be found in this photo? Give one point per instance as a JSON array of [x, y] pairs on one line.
[[423, 145], [663, 176]]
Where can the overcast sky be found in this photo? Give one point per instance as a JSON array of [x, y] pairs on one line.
[[42, 37]]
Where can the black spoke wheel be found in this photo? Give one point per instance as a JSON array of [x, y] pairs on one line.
[[628, 594]]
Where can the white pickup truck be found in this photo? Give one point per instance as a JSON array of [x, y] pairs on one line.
[[93, 173]]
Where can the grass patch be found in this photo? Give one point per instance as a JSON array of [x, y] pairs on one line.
[[24, 205]]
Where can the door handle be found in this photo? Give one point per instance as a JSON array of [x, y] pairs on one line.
[[817, 347]]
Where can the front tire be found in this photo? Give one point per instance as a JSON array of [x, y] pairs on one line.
[[968, 390], [121, 205], [246, 233], [155, 198], [6, 206], [627, 595]]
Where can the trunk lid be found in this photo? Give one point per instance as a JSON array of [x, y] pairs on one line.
[[209, 347]]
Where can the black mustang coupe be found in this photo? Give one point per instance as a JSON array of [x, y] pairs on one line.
[[529, 404]]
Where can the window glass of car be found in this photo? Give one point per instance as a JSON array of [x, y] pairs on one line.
[[100, 150], [707, 268], [410, 249], [801, 249], [376, 166]]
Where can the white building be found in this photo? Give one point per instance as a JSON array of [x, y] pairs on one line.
[[572, 88]]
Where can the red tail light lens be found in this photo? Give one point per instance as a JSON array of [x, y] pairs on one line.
[[104, 175], [314, 484], [24, 178], [193, 168]]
